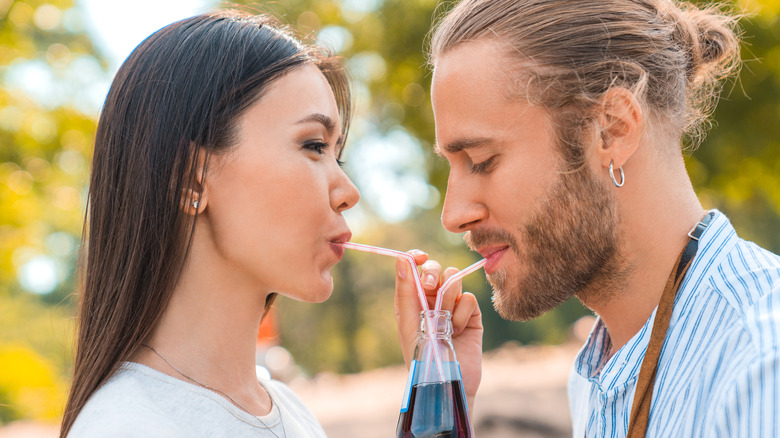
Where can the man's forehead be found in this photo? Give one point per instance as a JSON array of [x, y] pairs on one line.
[[481, 60], [490, 63]]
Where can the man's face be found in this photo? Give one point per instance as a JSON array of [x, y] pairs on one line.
[[548, 232]]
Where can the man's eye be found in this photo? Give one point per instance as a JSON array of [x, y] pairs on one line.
[[483, 167]]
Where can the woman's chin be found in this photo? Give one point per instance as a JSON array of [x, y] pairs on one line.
[[316, 293], [325, 292]]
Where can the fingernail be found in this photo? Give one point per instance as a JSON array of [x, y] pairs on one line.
[[430, 280], [400, 268]]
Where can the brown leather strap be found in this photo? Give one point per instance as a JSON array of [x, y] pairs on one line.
[[640, 410], [643, 396]]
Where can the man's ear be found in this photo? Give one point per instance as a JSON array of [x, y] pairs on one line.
[[619, 122], [195, 198]]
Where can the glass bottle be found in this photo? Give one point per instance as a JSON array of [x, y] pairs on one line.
[[434, 403]]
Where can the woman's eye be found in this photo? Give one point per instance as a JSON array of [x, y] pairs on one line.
[[483, 167], [316, 146]]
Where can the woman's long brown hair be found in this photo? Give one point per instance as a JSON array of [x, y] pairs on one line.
[[177, 98]]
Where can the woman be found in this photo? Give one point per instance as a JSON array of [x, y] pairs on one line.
[[215, 182]]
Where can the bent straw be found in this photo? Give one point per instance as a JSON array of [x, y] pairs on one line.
[[432, 350], [420, 292], [397, 254], [443, 289], [455, 277]]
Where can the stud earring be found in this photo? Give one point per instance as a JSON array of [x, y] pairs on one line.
[[195, 204]]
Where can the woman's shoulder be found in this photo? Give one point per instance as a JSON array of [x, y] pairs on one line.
[[127, 405], [281, 393], [292, 408]]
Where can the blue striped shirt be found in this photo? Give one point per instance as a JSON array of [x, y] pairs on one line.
[[719, 371]]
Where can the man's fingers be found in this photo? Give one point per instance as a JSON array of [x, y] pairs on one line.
[[430, 273], [420, 257], [453, 292], [404, 285], [407, 307], [466, 312]]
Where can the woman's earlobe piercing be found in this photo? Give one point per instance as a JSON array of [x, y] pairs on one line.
[[195, 204]]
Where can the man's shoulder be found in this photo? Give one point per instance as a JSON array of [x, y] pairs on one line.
[[747, 277]]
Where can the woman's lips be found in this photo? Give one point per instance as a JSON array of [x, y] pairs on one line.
[[338, 248], [493, 257], [336, 244]]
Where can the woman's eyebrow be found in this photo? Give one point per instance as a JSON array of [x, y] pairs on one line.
[[327, 122]]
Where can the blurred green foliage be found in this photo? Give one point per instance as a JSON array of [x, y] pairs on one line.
[[44, 151], [45, 148], [30, 386], [736, 169]]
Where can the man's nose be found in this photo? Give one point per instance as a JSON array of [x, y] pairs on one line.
[[463, 208]]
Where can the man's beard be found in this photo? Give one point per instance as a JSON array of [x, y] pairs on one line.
[[570, 248]]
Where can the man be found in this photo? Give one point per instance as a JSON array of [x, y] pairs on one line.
[[562, 123]]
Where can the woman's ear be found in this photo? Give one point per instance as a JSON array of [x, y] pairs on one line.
[[619, 121], [195, 199]]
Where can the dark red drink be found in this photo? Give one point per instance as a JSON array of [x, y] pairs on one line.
[[436, 410]]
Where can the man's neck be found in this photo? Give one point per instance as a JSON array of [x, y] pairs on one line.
[[656, 216]]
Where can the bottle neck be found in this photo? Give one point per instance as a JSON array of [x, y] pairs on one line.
[[435, 324]]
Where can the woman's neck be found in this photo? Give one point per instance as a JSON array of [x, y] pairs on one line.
[[209, 330]]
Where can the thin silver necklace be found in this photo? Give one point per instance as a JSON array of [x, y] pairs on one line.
[[211, 388]]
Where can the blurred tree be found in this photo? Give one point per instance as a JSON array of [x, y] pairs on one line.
[[736, 169], [45, 141], [30, 386]]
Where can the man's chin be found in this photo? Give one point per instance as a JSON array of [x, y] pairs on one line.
[[519, 305], [509, 307]]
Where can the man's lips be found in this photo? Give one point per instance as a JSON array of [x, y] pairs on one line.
[[493, 255]]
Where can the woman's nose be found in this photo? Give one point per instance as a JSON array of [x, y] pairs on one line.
[[344, 194]]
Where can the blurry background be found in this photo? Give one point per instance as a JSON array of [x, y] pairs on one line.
[[57, 58]]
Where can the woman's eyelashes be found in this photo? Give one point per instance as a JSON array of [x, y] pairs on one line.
[[317, 146], [484, 166], [320, 147]]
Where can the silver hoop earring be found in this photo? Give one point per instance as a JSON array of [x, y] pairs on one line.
[[612, 175], [195, 204]]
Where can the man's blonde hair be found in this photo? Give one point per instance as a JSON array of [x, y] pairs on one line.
[[565, 54]]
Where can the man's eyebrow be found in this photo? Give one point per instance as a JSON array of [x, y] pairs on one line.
[[327, 122], [460, 145]]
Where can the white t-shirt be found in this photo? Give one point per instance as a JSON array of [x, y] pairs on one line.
[[138, 401]]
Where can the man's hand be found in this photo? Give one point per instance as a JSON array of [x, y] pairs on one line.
[[466, 317]]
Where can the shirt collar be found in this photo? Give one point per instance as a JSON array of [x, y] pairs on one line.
[[716, 241], [593, 361]]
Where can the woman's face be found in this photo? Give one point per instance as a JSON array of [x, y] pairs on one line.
[[275, 201]]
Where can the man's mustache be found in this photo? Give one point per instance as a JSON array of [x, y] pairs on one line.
[[482, 237]]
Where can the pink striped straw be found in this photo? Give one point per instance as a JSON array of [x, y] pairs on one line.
[[455, 277], [443, 289], [397, 254], [420, 291]]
